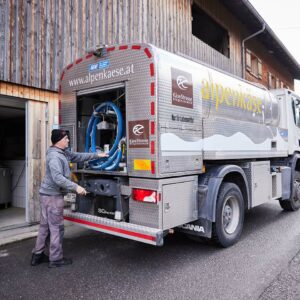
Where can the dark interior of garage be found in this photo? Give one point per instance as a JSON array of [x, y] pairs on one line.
[[12, 165]]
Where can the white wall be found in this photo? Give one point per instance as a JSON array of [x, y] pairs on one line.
[[18, 181]]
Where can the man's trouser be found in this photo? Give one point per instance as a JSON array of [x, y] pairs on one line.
[[51, 224]]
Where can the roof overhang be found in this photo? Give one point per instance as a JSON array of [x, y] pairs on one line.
[[252, 20]]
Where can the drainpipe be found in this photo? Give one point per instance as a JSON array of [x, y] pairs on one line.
[[243, 46]]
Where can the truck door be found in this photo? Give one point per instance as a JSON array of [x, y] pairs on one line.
[[296, 115]]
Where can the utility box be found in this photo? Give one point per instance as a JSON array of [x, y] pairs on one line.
[[176, 205], [259, 180]]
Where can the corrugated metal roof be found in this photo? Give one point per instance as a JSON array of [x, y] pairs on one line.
[[251, 19]]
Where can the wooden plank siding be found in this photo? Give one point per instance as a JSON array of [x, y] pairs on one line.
[[269, 65], [28, 93], [40, 37]]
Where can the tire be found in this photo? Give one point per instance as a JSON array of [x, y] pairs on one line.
[[293, 203], [230, 210], [290, 205]]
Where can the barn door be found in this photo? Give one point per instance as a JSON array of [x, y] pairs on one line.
[[36, 144]]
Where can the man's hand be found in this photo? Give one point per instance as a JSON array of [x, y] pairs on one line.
[[80, 190], [102, 154]]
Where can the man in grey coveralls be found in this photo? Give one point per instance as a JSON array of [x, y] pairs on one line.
[[55, 185]]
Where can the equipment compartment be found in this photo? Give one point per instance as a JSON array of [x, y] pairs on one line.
[[101, 126]]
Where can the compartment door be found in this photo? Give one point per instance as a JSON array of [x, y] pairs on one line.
[[179, 203]]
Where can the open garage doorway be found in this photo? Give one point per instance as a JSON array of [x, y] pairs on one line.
[[12, 162]]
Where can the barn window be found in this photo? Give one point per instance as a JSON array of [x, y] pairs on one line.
[[253, 64], [272, 81], [209, 31]]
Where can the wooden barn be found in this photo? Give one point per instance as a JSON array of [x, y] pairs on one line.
[[38, 38]]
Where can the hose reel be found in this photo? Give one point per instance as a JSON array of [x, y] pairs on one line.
[[97, 122]]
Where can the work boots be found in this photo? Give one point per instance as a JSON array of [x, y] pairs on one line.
[[37, 259], [60, 263]]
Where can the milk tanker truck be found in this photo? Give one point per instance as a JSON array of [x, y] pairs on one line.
[[190, 148]]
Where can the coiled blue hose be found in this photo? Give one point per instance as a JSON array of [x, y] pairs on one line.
[[111, 162]]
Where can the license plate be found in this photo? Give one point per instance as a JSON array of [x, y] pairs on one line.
[[70, 197]]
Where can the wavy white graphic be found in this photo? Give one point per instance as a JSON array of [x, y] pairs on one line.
[[171, 142], [237, 142]]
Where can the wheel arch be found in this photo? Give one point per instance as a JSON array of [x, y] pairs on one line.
[[291, 200], [216, 176], [241, 182]]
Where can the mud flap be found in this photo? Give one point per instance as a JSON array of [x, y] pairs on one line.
[[201, 227]]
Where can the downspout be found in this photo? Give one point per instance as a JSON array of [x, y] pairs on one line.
[[243, 46]]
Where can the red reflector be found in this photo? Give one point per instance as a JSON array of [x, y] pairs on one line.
[[152, 89], [152, 108], [148, 53], [152, 131], [136, 47], [151, 69], [153, 167], [89, 55], [79, 61], [152, 147], [62, 75], [144, 195]]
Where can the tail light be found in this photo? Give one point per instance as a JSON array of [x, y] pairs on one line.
[[144, 195]]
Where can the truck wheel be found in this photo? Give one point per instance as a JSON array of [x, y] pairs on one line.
[[290, 205], [293, 203], [229, 215]]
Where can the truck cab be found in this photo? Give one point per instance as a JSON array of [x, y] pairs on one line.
[[290, 117]]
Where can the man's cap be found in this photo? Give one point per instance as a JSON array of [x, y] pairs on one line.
[[57, 135]]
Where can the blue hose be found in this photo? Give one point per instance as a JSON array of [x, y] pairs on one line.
[[111, 162]]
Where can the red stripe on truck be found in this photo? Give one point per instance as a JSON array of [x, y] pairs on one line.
[[152, 147], [136, 47], [151, 69], [148, 53], [153, 167], [79, 61], [152, 89], [124, 47], [89, 55], [152, 108], [152, 127], [113, 229], [62, 75]]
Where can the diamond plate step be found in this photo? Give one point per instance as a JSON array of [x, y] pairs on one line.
[[135, 232]]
